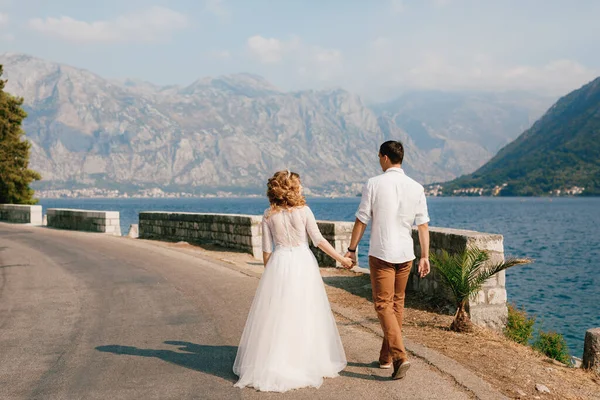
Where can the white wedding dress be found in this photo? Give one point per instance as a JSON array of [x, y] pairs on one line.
[[290, 339]]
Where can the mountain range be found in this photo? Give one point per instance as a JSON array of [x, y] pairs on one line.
[[232, 132], [559, 154]]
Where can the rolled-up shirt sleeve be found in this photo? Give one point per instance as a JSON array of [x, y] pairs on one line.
[[312, 228], [364, 212], [267, 238], [421, 215]]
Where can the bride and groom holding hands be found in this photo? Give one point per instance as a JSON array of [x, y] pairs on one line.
[[291, 339]]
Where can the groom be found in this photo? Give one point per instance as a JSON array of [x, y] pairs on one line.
[[393, 201]]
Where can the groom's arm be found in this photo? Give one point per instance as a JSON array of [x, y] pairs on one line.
[[357, 233], [363, 216], [424, 266], [422, 222]]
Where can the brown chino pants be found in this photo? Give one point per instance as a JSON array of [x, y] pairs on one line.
[[388, 282]]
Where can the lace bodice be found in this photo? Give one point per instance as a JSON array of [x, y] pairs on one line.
[[289, 228]]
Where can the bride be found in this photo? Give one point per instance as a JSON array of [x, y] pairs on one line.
[[290, 339]]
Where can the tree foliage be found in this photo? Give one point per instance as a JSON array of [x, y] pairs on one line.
[[15, 176]]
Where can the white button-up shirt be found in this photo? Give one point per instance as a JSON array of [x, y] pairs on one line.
[[394, 202]]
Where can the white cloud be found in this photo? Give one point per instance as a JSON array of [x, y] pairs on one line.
[[266, 50], [310, 62], [560, 76], [148, 25], [3, 20], [218, 8], [395, 66]]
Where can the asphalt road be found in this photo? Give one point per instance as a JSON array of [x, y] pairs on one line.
[[90, 316]]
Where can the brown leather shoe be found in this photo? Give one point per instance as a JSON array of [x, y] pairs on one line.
[[400, 368]]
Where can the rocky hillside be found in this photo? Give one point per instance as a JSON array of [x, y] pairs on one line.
[[559, 154], [232, 132]]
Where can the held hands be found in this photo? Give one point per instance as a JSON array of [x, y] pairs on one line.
[[424, 267], [347, 262], [352, 258]]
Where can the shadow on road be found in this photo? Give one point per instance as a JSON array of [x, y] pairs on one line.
[[368, 376], [214, 360], [14, 265]]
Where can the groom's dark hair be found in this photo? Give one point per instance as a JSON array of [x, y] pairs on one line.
[[394, 150]]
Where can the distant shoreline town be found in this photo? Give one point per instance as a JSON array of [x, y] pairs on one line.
[[436, 190], [154, 193]]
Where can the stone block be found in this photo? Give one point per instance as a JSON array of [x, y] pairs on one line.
[[501, 276], [490, 316], [491, 283], [133, 231], [415, 283], [35, 215], [424, 286], [85, 220], [496, 296], [479, 298], [111, 215], [488, 242], [21, 214], [495, 257], [591, 350]]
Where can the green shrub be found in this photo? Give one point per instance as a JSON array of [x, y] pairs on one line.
[[519, 326], [553, 345]]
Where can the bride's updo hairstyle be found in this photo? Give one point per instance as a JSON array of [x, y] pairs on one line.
[[283, 191]]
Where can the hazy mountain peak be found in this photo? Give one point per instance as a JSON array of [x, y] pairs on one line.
[[242, 84]]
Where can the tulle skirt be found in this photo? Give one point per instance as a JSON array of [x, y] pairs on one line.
[[290, 339]]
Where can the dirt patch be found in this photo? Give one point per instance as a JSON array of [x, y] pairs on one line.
[[513, 369]]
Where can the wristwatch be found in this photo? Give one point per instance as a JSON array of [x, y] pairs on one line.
[[351, 251]]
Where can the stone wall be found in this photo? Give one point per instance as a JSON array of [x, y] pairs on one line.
[[85, 220], [241, 232], [489, 307], [21, 214]]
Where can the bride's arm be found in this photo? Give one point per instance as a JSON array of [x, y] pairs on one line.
[[267, 240], [330, 251], [266, 257], [319, 241]]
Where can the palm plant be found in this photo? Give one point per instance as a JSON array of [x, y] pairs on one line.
[[465, 273]]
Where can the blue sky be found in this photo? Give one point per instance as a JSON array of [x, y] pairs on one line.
[[377, 48]]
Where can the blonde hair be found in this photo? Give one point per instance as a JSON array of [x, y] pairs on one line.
[[283, 191]]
